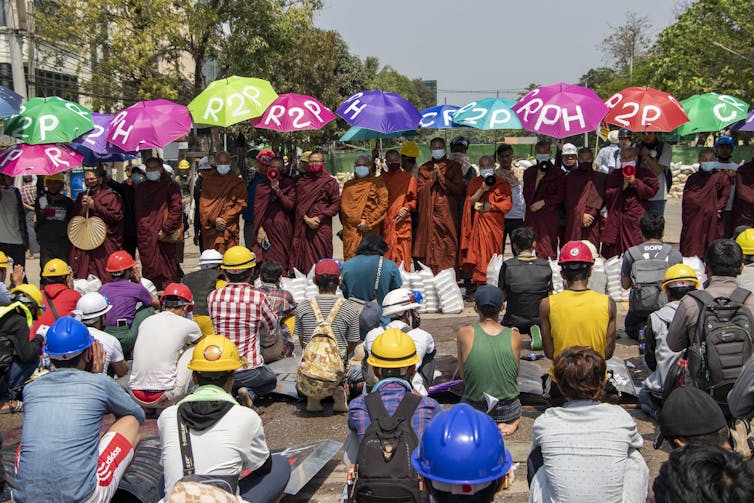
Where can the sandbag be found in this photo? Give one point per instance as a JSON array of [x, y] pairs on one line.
[[557, 279], [448, 292], [614, 288], [698, 266], [598, 279], [493, 269]]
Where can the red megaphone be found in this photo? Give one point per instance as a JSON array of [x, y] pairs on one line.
[[628, 170], [273, 174]]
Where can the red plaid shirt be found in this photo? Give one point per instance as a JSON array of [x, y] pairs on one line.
[[238, 312]]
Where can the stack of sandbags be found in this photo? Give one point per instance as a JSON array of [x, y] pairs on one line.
[[557, 279], [297, 285], [88, 285], [448, 292], [614, 288], [598, 279], [698, 266], [424, 281], [493, 269]]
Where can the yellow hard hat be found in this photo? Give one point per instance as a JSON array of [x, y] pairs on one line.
[[238, 257], [680, 275], [393, 349], [4, 262], [33, 293], [184, 164], [410, 149], [746, 241], [305, 156], [56, 267], [57, 177], [215, 353]]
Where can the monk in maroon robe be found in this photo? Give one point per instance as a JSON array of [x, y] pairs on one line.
[[626, 199], [584, 198], [274, 206], [159, 212], [101, 202], [317, 201], [704, 198], [743, 201], [544, 191]]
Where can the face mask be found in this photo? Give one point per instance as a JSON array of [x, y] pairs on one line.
[[486, 172], [316, 168], [91, 183], [438, 154], [137, 178], [223, 169], [542, 157], [153, 176], [394, 166], [361, 171], [627, 163], [708, 166]]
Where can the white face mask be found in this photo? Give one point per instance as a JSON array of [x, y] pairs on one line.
[[361, 171], [223, 169], [486, 172], [542, 157], [153, 175], [627, 163], [438, 154]]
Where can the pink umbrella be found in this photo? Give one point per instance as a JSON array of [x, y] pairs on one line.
[[294, 112], [149, 124], [43, 159], [560, 110]]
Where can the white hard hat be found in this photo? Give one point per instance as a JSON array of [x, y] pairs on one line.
[[570, 149], [204, 163], [210, 258], [612, 137], [168, 168], [92, 305], [399, 301]]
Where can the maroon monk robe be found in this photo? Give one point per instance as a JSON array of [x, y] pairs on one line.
[[743, 201], [316, 196], [584, 194], [158, 260], [546, 221], [704, 198], [273, 211], [109, 207], [624, 209]]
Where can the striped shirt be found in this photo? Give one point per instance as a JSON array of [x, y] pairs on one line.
[[345, 326], [239, 312]]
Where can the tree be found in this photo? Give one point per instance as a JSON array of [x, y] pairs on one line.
[[627, 43]]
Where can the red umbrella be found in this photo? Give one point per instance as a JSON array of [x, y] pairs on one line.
[[645, 109]]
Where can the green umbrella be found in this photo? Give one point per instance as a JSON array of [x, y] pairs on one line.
[[711, 112], [358, 133], [49, 120], [229, 101]]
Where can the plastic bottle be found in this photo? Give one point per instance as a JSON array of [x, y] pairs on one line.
[[642, 342]]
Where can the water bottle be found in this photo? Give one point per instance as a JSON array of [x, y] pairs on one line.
[[642, 342]]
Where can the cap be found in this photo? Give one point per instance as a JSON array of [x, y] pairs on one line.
[[168, 169], [725, 140], [57, 177], [204, 163], [305, 156], [459, 140], [139, 167], [570, 149], [623, 133], [410, 149], [265, 156], [688, 412], [612, 136], [489, 296], [327, 266]]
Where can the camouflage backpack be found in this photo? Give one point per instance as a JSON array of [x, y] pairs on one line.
[[321, 368]]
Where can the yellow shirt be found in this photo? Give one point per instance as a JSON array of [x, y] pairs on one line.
[[579, 319]]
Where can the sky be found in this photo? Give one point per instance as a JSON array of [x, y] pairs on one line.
[[485, 46]]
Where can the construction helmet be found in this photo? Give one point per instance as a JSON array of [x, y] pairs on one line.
[[56, 268], [67, 338], [393, 349], [210, 258], [575, 251], [119, 261], [183, 164], [746, 241], [93, 305], [5, 263], [680, 275], [237, 258], [177, 290], [462, 446], [410, 149], [215, 353], [400, 300], [57, 177], [31, 293]]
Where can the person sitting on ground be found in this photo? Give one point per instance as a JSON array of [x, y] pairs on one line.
[[703, 474], [225, 439], [741, 397], [19, 354], [488, 362], [16, 277], [680, 279], [61, 436], [124, 292], [401, 305], [159, 374], [745, 240], [691, 416], [585, 451], [59, 296], [577, 316], [92, 309], [462, 457], [202, 283], [280, 344]]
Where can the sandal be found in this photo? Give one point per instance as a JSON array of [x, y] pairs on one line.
[[13, 409]]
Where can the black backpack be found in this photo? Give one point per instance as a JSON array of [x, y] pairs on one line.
[[384, 471]]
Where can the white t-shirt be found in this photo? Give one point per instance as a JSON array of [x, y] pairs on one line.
[[111, 345], [158, 348], [234, 444]]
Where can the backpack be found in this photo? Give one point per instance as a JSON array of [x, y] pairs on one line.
[[321, 368], [647, 276], [371, 311], [384, 470]]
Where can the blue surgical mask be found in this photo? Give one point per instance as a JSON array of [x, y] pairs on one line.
[[708, 165], [223, 169], [154, 175], [361, 171], [486, 172], [137, 178], [542, 157], [438, 154]]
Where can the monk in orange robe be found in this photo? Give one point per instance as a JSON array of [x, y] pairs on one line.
[[221, 202], [483, 220], [439, 183], [396, 228], [363, 206]]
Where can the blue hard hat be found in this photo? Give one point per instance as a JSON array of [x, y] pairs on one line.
[[623, 133], [725, 140], [67, 338], [462, 446]]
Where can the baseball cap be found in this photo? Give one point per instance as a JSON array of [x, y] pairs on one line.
[[327, 266], [688, 412], [204, 163], [570, 149], [489, 296]]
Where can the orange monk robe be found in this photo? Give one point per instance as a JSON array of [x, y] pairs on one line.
[[362, 199], [482, 231], [222, 196], [401, 190]]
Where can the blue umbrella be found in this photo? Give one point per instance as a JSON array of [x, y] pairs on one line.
[[379, 111], [358, 133], [10, 102], [488, 113], [439, 117], [91, 157]]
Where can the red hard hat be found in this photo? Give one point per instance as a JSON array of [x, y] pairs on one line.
[[120, 261], [575, 251], [177, 290]]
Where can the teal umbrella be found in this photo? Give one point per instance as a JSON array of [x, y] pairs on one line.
[[357, 133], [488, 113], [710, 112]]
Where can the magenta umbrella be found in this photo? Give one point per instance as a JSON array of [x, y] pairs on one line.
[[43, 159], [294, 112], [149, 124], [560, 110]]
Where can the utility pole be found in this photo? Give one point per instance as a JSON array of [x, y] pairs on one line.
[[26, 24], [16, 49]]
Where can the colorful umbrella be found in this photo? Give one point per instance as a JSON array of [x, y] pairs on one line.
[[95, 140], [294, 112], [49, 120], [645, 109], [46, 159], [711, 112], [380, 111], [358, 133], [745, 125], [10, 102], [229, 101], [560, 110], [488, 113], [439, 117], [91, 157], [149, 124]]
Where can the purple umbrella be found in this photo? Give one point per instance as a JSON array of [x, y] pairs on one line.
[[149, 124], [745, 125], [560, 110], [380, 111], [95, 141]]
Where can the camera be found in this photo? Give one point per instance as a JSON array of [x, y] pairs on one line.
[[490, 180]]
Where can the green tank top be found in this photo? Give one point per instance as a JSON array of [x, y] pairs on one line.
[[491, 366]]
